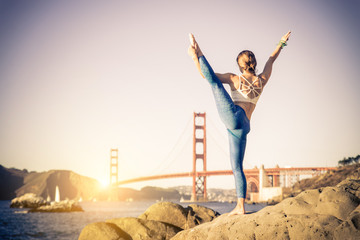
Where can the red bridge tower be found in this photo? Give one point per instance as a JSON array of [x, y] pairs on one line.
[[114, 166], [199, 153]]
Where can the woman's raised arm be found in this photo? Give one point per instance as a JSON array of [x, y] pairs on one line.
[[265, 75]]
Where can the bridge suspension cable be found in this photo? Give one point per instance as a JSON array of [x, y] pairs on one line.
[[160, 167]]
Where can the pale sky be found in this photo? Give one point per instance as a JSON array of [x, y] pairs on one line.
[[80, 77]]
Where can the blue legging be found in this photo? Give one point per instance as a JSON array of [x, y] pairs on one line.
[[236, 122]]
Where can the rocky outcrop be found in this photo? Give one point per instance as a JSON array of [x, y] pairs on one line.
[[161, 221], [176, 215], [10, 180], [15, 183], [63, 206], [38, 204], [329, 179], [325, 213], [71, 185], [29, 200]]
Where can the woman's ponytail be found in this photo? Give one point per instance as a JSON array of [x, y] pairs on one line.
[[247, 61]]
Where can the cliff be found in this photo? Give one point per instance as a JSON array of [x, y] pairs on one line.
[[15, 183], [10, 180]]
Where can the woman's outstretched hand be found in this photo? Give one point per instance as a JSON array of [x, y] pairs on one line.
[[194, 50], [286, 37]]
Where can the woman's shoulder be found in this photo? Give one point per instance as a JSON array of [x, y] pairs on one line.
[[234, 77], [235, 81], [262, 78]]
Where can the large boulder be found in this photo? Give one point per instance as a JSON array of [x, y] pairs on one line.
[[327, 213], [176, 215], [63, 206], [28, 200]]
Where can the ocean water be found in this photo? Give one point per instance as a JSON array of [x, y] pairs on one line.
[[17, 224]]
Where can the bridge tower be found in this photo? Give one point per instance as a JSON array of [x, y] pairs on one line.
[[114, 170], [114, 159], [199, 154]]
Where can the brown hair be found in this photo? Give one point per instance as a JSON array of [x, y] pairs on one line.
[[247, 61]]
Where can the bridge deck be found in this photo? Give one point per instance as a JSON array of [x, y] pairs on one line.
[[248, 172]]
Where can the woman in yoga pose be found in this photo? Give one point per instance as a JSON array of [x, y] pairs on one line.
[[236, 111]]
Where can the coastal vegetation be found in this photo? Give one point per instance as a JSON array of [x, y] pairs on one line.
[[349, 161]]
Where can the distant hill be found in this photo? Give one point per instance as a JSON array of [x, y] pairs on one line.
[[10, 180], [331, 178], [15, 183]]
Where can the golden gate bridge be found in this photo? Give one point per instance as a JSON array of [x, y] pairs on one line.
[[262, 183]]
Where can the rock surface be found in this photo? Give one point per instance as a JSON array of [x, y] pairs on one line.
[[63, 206], [103, 231], [183, 218], [325, 213], [145, 229], [29, 200], [161, 221]]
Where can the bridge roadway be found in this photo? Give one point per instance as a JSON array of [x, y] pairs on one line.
[[248, 172]]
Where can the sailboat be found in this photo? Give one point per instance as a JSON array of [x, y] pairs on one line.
[[57, 194]]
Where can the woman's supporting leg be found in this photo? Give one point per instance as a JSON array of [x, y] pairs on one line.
[[237, 142]]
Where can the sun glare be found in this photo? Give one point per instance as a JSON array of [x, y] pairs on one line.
[[104, 183]]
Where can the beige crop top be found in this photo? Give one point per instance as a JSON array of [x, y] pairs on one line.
[[242, 94]]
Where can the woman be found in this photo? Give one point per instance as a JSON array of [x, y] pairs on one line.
[[236, 111]]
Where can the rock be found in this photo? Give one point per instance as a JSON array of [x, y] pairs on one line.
[[178, 216], [29, 200], [350, 227], [326, 213], [63, 206], [202, 214], [167, 212], [103, 231], [161, 221], [145, 229]]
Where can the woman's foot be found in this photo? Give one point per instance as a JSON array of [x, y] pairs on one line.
[[240, 207], [237, 211]]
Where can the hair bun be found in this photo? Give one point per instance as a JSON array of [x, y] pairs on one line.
[[248, 61]]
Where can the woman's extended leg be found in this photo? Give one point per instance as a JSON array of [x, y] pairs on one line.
[[225, 106], [238, 126]]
